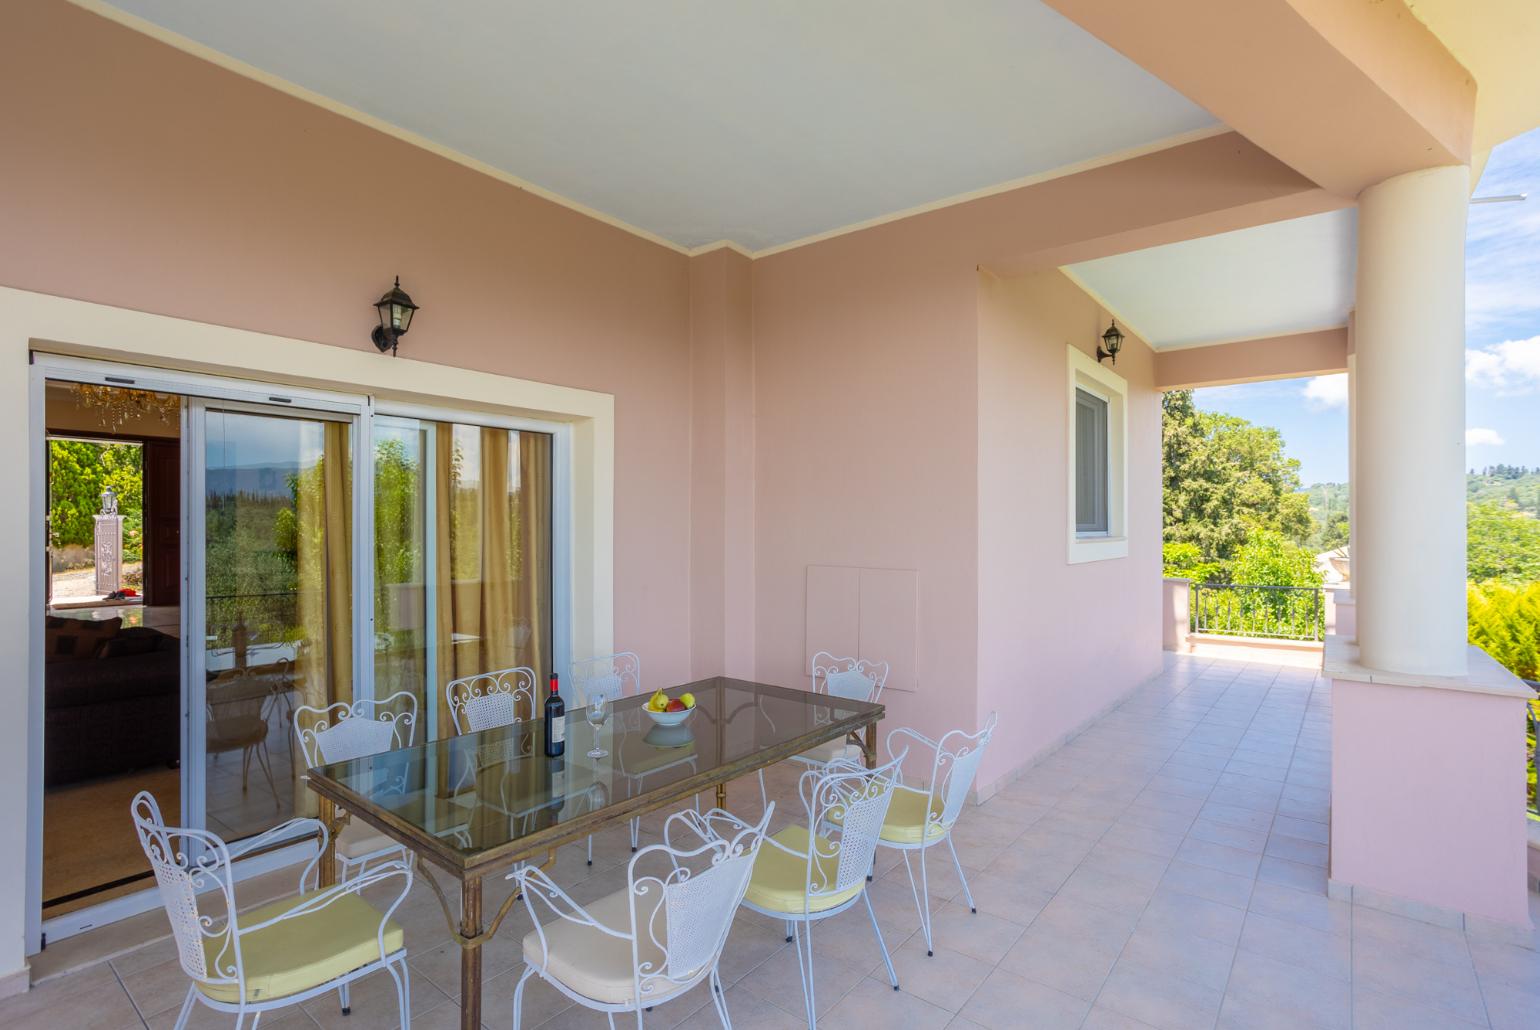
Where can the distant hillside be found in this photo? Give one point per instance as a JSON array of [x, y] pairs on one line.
[[1514, 486], [1329, 511]]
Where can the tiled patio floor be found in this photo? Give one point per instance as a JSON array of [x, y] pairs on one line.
[[1164, 869]]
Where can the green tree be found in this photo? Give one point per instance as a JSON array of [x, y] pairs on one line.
[[1225, 480], [78, 472], [1501, 544]]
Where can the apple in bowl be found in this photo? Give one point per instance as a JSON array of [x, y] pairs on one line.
[[667, 711]]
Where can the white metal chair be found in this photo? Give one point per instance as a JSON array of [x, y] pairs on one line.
[[818, 870], [279, 954], [655, 938], [488, 700], [341, 732], [612, 676], [855, 679], [918, 819]]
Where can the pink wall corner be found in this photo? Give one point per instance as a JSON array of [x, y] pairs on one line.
[[1428, 797], [1057, 642], [865, 448], [721, 465], [145, 178]]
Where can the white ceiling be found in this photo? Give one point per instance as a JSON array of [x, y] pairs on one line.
[[1284, 277], [703, 120]]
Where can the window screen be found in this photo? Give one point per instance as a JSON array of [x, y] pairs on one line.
[[1090, 463]]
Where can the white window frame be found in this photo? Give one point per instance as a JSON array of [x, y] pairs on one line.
[[1085, 373]]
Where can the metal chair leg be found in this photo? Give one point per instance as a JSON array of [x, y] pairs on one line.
[[518, 996], [187, 1004], [342, 995], [968, 894], [886, 958]]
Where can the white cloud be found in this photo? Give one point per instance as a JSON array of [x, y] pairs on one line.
[[1510, 367], [1324, 392], [1479, 436]]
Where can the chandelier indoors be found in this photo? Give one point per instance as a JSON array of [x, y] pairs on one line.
[[115, 406]]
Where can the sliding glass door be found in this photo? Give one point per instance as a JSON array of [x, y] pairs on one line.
[[306, 549], [277, 563], [463, 556]]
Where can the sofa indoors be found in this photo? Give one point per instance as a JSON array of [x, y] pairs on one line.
[[112, 699]]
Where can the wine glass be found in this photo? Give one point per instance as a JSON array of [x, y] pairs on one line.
[[598, 711]]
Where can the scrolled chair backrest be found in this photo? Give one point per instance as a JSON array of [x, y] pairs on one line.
[[854, 679], [701, 893], [490, 699], [846, 804], [958, 755], [192, 871], [613, 675], [342, 731]]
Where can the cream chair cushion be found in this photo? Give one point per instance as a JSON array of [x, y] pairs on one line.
[[829, 750], [599, 966], [358, 838], [910, 816], [303, 952], [779, 881]]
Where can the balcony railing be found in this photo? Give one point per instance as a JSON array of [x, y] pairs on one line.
[[1247, 610], [1533, 723]]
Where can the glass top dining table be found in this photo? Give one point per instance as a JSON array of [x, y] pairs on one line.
[[476, 804]]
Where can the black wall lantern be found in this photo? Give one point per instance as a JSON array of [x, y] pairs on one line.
[[1112, 342], [395, 310]]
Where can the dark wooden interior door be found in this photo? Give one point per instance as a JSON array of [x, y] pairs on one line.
[[163, 522]]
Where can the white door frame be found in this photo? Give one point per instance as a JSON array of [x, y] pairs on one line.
[[198, 390]]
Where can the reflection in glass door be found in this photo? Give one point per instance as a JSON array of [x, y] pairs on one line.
[[277, 591], [462, 557]]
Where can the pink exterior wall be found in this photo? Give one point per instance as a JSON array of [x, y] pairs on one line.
[[1057, 642], [865, 395], [1428, 797], [144, 178]]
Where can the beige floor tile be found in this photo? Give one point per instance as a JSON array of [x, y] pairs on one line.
[[874, 1005], [1005, 1002], [778, 980], [91, 998], [1264, 993], [373, 1002], [1178, 954], [1205, 882], [980, 935], [1102, 1018], [1324, 954], [1450, 988], [1178, 912], [1163, 1001], [1008, 898], [1074, 966], [1306, 908], [747, 1011], [945, 979], [1374, 1010]]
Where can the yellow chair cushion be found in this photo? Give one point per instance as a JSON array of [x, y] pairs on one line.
[[595, 964], [909, 818], [303, 952], [779, 881]]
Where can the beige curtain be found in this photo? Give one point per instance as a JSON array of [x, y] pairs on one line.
[[493, 556], [324, 560], [532, 587]]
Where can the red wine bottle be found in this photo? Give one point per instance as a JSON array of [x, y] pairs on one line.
[[555, 721]]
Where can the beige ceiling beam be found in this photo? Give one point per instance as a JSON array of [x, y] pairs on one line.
[[1347, 92], [1253, 361]]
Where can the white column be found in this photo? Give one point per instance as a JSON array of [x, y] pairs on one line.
[[1409, 529]]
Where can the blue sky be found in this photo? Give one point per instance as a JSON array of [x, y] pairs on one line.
[[1502, 342]]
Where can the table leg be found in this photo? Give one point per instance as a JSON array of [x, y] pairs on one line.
[[470, 954], [871, 745], [326, 811], [722, 796]]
